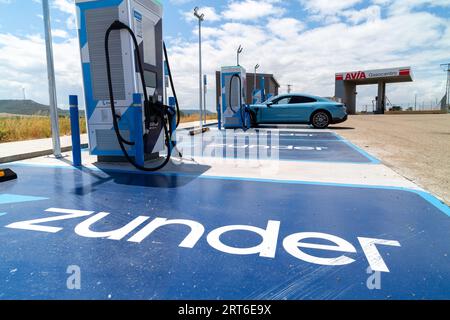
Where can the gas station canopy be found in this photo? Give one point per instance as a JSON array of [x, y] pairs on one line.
[[375, 76], [346, 83]]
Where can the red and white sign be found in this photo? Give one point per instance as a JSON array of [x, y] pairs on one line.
[[371, 74]]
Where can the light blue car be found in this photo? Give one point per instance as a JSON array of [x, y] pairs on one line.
[[298, 108]]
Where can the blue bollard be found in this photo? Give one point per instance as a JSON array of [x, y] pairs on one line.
[[138, 130], [75, 129], [173, 111]]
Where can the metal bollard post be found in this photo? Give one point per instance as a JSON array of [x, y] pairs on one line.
[[138, 130], [172, 108], [75, 129]]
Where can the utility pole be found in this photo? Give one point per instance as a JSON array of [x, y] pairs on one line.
[[447, 89], [415, 102], [201, 18], [51, 80], [24, 95]]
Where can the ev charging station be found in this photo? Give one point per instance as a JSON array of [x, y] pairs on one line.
[[259, 95], [233, 90], [121, 43]]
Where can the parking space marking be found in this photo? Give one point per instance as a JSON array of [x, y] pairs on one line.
[[352, 217]]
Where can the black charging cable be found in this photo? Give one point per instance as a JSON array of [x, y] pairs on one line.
[[159, 110]]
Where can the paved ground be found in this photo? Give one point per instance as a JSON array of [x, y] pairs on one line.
[[214, 227], [21, 150], [416, 146]]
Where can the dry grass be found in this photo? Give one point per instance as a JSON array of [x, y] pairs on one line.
[[18, 128], [196, 117], [35, 127]]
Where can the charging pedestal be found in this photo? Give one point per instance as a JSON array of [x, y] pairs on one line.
[[144, 18], [233, 113]]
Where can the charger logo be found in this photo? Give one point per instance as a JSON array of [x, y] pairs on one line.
[[297, 245]]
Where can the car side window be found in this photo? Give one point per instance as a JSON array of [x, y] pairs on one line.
[[284, 100], [301, 99]]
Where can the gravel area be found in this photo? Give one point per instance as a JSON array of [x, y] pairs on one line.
[[415, 146]]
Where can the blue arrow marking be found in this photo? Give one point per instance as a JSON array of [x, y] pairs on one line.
[[16, 198]]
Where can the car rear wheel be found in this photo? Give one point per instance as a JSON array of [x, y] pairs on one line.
[[320, 120]]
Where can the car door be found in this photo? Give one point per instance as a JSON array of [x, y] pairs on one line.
[[300, 109], [277, 112]]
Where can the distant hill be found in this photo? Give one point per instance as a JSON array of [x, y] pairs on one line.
[[28, 108]]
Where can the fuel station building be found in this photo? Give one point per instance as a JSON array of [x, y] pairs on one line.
[[346, 82]]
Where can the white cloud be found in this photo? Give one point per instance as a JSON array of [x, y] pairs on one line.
[[306, 58], [252, 9], [326, 7], [368, 14], [285, 27], [60, 33], [239, 11], [210, 14], [67, 6], [402, 6], [309, 58], [23, 64]]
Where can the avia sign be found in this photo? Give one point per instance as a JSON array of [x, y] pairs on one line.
[[298, 245], [372, 74]]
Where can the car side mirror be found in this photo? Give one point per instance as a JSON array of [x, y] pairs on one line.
[[269, 104]]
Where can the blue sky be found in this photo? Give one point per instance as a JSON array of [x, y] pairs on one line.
[[302, 42]]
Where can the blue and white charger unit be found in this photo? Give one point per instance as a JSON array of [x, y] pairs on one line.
[[234, 113], [144, 18]]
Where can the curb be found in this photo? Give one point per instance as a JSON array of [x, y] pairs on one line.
[[35, 154]]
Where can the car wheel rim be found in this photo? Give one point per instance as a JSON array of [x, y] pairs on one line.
[[320, 119]]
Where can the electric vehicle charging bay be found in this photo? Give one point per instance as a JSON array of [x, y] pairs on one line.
[[284, 145], [131, 235]]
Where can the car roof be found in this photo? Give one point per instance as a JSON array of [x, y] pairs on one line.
[[301, 94]]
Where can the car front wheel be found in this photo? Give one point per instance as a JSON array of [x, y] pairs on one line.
[[320, 120]]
